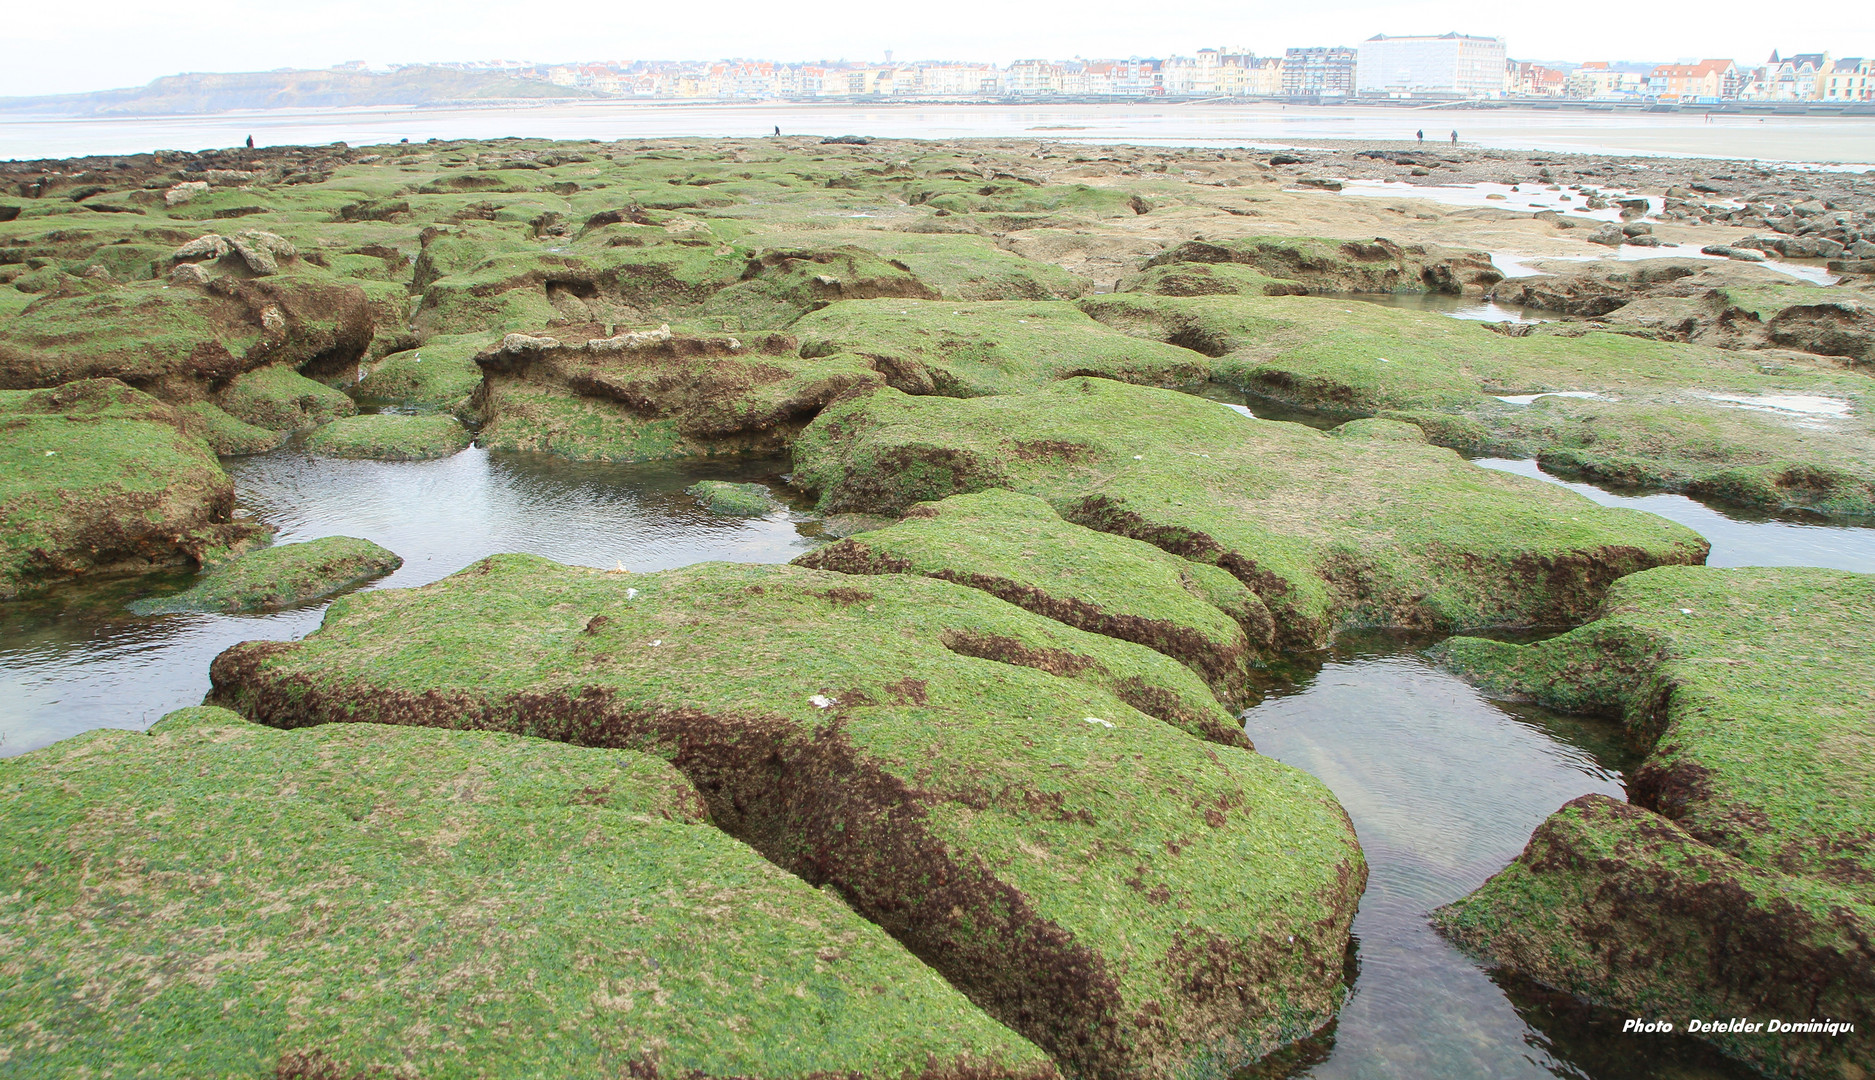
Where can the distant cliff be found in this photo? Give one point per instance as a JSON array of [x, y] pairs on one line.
[[286, 89]]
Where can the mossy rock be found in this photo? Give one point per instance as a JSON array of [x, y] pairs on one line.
[[974, 268], [526, 417], [226, 435], [972, 777], [725, 499], [1329, 532], [278, 577], [181, 342], [1017, 548], [566, 909], [1683, 417], [1209, 279], [440, 375], [1350, 266], [640, 396], [1000, 347], [279, 398], [94, 476], [523, 291], [779, 285], [1739, 882], [390, 437]]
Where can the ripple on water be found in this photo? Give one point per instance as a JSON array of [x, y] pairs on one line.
[[75, 660], [1444, 788], [1739, 537]]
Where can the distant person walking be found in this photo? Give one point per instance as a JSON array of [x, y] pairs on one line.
[[1454, 138], [777, 129], [1422, 134], [250, 142]]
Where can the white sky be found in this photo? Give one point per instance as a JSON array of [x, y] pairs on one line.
[[113, 43]]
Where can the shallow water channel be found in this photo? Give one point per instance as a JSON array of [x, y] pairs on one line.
[[1443, 785], [76, 660]]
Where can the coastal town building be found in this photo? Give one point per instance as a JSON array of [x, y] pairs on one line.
[[1456, 65], [1603, 80], [1851, 78], [1708, 79], [1525, 79], [1319, 72], [1442, 67]]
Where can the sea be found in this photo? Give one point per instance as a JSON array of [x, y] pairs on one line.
[[1821, 141]]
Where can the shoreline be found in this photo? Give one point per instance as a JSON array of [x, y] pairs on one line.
[[1785, 140]]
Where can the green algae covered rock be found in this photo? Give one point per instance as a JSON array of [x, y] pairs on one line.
[[226, 435], [1329, 532], [390, 437], [1017, 548], [1739, 883], [978, 780], [278, 577], [1606, 406], [441, 375], [217, 898], [1209, 279], [94, 476], [279, 398], [733, 500], [181, 342], [997, 347], [781, 284], [650, 395], [1345, 265]]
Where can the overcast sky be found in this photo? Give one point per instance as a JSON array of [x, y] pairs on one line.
[[112, 43]]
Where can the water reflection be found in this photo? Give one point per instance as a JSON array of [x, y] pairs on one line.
[[1740, 537], [1444, 788], [1458, 307], [75, 660]]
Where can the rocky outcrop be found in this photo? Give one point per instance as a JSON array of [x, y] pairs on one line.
[[1349, 266], [625, 922], [254, 251], [390, 437], [278, 577], [184, 344], [1741, 882], [1775, 431], [724, 499], [1329, 533], [101, 477], [645, 395], [1021, 804], [996, 347], [1015, 547]]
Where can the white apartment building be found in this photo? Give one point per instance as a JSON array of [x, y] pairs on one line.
[[1459, 64]]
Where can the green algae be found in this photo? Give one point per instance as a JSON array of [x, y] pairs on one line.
[[1661, 414], [226, 435], [1017, 548], [1327, 265], [389, 437], [997, 347], [218, 898], [1748, 856], [1110, 887], [1330, 533], [528, 418], [725, 499], [278, 577], [1208, 279], [651, 395], [441, 375], [95, 475], [279, 398]]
